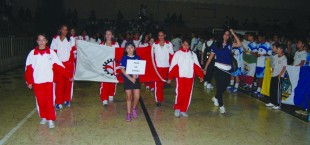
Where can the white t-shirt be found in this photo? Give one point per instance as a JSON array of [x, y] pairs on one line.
[[162, 53], [142, 45], [123, 43], [194, 44], [299, 56], [278, 64], [136, 42], [176, 42], [199, 46]]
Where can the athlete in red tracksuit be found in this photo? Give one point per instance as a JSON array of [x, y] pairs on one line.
[[41, 65], [163, 51], [184, 67], [66, 52], [108, 90]]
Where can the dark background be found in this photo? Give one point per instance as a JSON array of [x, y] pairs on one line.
[[27, 17]]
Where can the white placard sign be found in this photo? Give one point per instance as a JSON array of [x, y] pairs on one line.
[[135, 67]]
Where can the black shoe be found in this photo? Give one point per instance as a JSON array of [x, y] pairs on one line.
[[158, 104], [248, 89]]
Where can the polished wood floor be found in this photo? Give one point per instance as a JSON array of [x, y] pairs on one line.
[[87, 122]]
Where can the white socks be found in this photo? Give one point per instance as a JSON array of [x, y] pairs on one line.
[[232, 82], [258, 89], [236, 85]]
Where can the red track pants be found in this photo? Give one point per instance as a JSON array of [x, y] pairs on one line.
[[64, 90], [184, 88], [106, 90], [159, 85], [45, 100]]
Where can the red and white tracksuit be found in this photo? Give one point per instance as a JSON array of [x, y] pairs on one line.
[[66, 52], [108, 89], [84, 37], [163, 56], [41, 65], [136, 42], [184, 67], [142, 45], [124, 43]]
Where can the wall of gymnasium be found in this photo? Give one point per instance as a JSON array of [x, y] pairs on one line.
[[196, 13]]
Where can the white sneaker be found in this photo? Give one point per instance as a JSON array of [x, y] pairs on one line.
[[147, 87], [205, 84], [105, 102], [209, 86], [177, 113], [51, 124], [269, 105], [43, 121], [276, 107], [152, 89], [184, 114], [216, 103], [222, 110], [58, 107], [229, 87], [111, 98]]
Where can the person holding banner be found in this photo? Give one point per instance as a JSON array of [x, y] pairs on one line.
[[184, 67], [300, 58], [142, 44], [131, 81], [136, 39], [73, 34], [144, 41], [301, 54], [163, 51], [222, 49], [264, 50], [84, 36], [63, 45], [278, 69], [249, 58], [108, 90]]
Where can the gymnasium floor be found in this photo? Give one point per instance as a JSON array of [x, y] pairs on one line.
[[87, 122]]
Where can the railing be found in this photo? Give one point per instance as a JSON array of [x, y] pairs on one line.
[[15, 46]]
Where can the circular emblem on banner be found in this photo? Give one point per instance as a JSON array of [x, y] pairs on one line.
[[110, 67]]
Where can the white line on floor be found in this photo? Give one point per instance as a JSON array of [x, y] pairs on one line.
[[7, 136]]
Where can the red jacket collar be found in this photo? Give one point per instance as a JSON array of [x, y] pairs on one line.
[[166, 41], [103, 43], [38, 51], [184, 50], [55, 36]]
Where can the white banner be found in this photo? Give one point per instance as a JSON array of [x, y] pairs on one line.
[[95, 62]]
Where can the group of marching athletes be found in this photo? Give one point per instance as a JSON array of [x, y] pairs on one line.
[[50, 70]]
